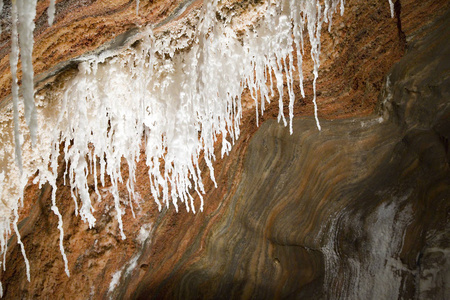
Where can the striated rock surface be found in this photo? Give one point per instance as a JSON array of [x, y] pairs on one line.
[[359, 210]]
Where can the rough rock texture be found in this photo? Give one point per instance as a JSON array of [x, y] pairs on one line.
[[359, 210]]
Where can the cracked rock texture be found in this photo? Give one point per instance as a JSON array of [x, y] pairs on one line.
[[359, 210]]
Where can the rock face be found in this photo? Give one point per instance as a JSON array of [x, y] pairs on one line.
[[359, 210]]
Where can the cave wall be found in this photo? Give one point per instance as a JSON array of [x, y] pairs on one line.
[[358, 210]]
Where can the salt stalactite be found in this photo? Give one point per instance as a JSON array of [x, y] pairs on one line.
[[22, 14], [1, 9], [19, 241], [176, 92], [391, 4], [13, 60], [27, 13], [51, 12], [177, 122]]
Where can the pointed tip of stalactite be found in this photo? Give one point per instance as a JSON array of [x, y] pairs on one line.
[[122, 234], [318, 124]]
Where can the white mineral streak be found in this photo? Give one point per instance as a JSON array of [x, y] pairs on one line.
[[145, 234], [114, 281]]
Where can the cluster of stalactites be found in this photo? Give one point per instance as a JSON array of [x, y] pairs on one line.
[[23, 13], [179, 104], [175, 104]]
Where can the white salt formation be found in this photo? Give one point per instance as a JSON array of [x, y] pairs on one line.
[[1, 9], [391, 4], [51, 12], [26, 15], [175, 94]]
